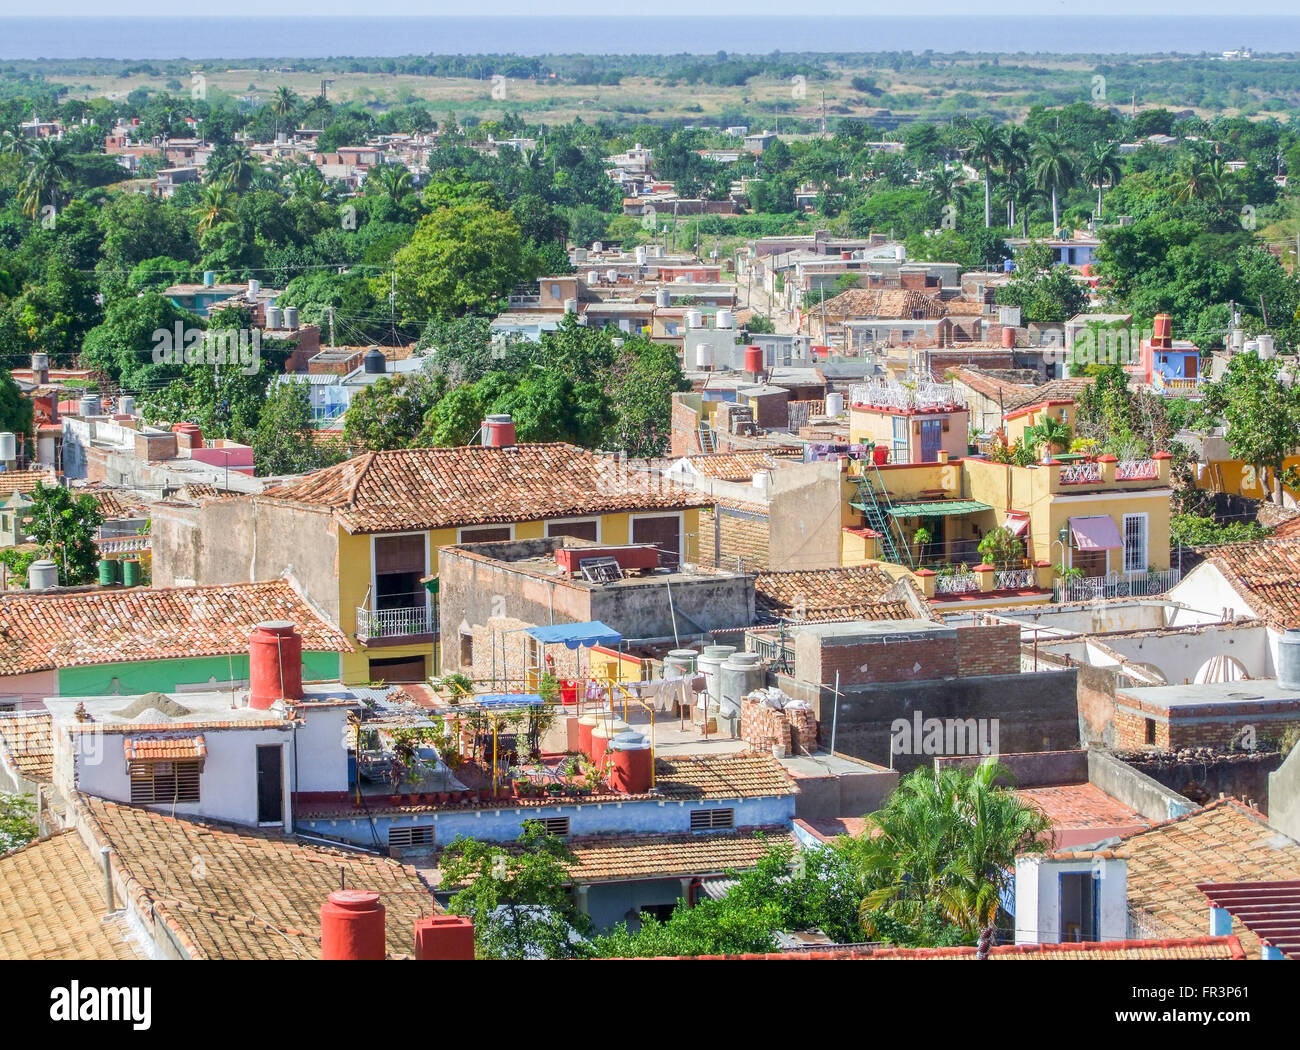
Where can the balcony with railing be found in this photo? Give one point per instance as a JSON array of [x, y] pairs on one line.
[[1107, 472], [922, 396], [404, 622], [1117, 585], [122, 544]]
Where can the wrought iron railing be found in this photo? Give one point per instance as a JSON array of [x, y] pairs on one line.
[[1137, 470], [1013, 579], [396, 623], [1134, 585], [956, 583], [1081, 474], [925, 395]]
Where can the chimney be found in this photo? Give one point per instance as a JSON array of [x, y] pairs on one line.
[[444, 937], [352, 926], [274, 664]]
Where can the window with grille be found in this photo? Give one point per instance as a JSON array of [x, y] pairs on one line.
[[556, 826], [164, 782], [711, 819], [421, 835], [1135, 543]]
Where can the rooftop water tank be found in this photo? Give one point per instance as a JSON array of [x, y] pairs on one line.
[[633, 763], [209, 278], [835, 404], [126, 405], [710, 665], [579, 255], [274, 664], [90, 405], [754, 360], [640, 256], [291, 318], [8, 447], [40, 363], [593, 277], [1288, 660], [612, 276], [499, 431], [42, 574], [663, 297], [597, 247], [375, 363], [1265, 342], [601, 734], [254, 287], [704, 355], [680, 662], [726, 319], [570, 306], [274, 317], [694, 318], [741, 674]]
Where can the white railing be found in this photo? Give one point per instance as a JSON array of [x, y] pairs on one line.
[[122, 544], [395, 623], [1136, 585], [956, 583], [1137, 470], [923, 396], [1013, 579], [1081, 474]]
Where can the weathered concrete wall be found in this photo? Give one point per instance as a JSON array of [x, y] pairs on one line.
[[1202, 778], [1134, 788], [243, 540], [805, 515], [1035, 769], [1284, 795], [1097, 687], [1033, 712]]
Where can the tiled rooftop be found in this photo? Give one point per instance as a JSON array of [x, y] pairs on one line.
[[241, 893], [427, 488], [1083, 813], [628, 858], [25, 740], [1184, 948], [164, 749], [1265, 572], [25, 480], [889, 303], [41, 632], [737, 466], [818, 594], [1223, 842], [52, 905]]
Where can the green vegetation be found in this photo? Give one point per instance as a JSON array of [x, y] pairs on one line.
[[64, 524]]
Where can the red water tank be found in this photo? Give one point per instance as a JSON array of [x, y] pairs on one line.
[[499, 431], [444, 937], [754, 360], [1008, 337], [352, 926], [601, 734], [1163, 334], [585, 725], [188, 432], [632, 763], [274, 664]]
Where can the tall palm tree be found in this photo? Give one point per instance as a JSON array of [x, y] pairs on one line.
[[392, 180], [946, 842], [1192, 177], [283, 104], [1101, 167], [306, 184], [234, 168], [214, 207], [1017, 147], [987, 148], [944, 185], [1054, 168], [49, 170]]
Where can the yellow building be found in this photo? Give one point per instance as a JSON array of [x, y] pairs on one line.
[[390, 512], [1108, 521]]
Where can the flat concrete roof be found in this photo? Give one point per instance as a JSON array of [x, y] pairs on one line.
[[872, 630], [1253, 691], [204, 706]]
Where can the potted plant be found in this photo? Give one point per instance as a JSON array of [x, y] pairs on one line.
[[555, 790]]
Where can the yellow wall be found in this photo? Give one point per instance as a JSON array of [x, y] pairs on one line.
[[1016, 426], [1239, 478], [873, 426]]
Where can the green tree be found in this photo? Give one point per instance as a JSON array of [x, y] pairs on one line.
[[284, 103], [49, 164], [64, 524], [986, 151], [518, 898], [285, 439], [16, 413], [1049, 435], [1001, 549], [945, 845], [17, 821], [1055, 170], [641, 392], [455, 419], [1100, 167], [390, 413]]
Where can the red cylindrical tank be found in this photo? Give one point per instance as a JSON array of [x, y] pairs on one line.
[[498, 431], [754, 359], [274, 664], [586, 724], [632, 763], [1163, 331], [1008, 337], [879, 455], [601, 734], [352, 926]]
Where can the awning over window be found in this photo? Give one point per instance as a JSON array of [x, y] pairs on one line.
[[1098, 533], [1016, 526], [937, 508], [164, 749], [573, 635], [505, 700]]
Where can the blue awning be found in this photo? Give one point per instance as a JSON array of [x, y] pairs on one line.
[[505, 700], [573, 635]]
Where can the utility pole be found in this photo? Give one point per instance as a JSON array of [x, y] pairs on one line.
[[331, 313]]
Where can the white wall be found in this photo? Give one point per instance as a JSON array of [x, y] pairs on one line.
[[1206, 593], [322, 756], [1038, 897]]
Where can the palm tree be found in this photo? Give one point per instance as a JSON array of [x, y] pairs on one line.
[[1015, 163], [946, 843], [1101, 167], [306, 184], [283, 104], [214, 207], [1050, 432], [49, 169], [944, 185], [233, 168], [1054, 169], [987, 148], [392, 180], [1192, 175]]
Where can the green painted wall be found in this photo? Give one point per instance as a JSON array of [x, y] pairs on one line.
[[162, 676]]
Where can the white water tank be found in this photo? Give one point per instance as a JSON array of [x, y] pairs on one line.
[[42, 574], [579, 255], [694, 319], [274, 318], [1288, 660], [126, 405], [1265, 342], [597, 247], [835, 404], [570, 306], [1237, 339], [90, 405], [663, 297], [291, 318], [612, 276], [726, 319], [8, 447], [740, 674], [254, 287], [640, 256], [760, 480], [593, 277], [710, 665], [900, 253], [704, 355]]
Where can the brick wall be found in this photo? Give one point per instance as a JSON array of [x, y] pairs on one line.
[[764, 727], [988, 650], [1210, 725], [685, 429], [738, 537]]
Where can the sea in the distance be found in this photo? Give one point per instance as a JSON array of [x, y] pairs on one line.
[[185, 37]]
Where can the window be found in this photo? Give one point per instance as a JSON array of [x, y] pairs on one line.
[[712, 819], [664, 532], [556, 826], [421, 835], [586, 529], [489, 534], [164, 782], [1135, 543], [466, 650], [399, 567], [1078, 906], [1150, 730]]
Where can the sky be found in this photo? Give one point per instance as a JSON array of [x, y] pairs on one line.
[[741, 8]]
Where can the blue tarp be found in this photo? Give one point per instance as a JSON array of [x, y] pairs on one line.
[[572, 635], [506, 700]]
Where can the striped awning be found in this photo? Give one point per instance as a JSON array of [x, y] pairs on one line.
[[1095, 533], [937, 508]]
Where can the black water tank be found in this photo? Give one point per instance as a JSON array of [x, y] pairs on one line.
[[375, 363]]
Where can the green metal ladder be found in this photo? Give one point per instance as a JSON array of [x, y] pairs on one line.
[[876, 508]]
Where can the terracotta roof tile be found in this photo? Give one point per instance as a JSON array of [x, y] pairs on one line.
[[1184, 948], [858, 592], [428, 488], [52, 905], [1265, 572], [1225, 841], [164, 749], [737, 466], [26, 742], [244, 893], [746, 775], [25, 480], [41, 632], [628, 858], [889, 303]]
